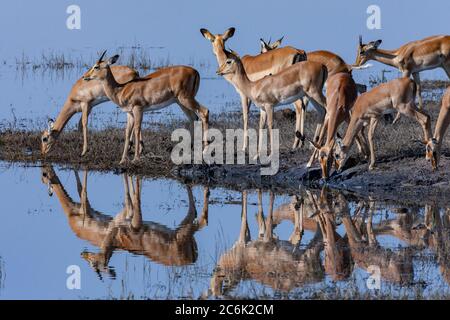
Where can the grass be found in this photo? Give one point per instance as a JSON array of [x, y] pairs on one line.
[[137, 56]]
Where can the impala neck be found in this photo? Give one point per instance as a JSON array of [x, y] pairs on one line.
[[111, 86], [385, 56], [353, 128], [67, 112], [241, 80]]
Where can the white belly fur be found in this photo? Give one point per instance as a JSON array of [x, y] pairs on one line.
[[162, 105]]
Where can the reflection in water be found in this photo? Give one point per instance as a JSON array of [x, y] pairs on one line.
[[126, 230], [284, 265], [333, 236]]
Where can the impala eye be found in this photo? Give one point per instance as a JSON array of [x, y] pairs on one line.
[[229, 62], [97, 67], [45, 139]]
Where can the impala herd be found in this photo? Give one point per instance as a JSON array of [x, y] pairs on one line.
[[276, 76]]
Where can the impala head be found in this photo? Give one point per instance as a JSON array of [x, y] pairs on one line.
[[99, 70], [230, 66], [48, 177], [341, 152], [267, 46], [365, 51], [99, 262], [326, 160], [48, 138], [218, 40], [433, 153]]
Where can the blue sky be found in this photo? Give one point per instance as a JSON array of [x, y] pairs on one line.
[[34, 26]]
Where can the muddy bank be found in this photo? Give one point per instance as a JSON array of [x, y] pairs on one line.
[[402, 172]]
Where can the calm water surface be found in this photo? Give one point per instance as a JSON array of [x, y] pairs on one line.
[[138, 238]]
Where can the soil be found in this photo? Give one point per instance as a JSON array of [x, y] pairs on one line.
[[402, 173]]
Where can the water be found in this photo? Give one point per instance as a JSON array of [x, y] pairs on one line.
[[180, 253], [31, 96]]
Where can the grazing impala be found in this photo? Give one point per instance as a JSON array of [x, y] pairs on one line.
[[304, 78], [443, 121], [82, 98], [398, 94], [127, 230], [411, 58], [257, 67], [178, 84], [341, 95]]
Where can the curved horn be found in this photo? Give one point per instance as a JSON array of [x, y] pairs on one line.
[[102, 56], [360, 40]]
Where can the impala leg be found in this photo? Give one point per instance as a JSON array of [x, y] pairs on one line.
[[192, 116], [137, 115], [299, 118], [410, 110], [245, 108], [269, 111], [315, 153], [244, 234], [269, 221], [372, 127], [260, 217], [416, 78], [319, 102], [262, 122], [191, 104], [128, 129], [86, 110]]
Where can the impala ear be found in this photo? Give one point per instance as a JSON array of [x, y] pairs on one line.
[[277, 43], [113, 59], [208, 35], [50, 124], [234, 53], [377, 43], [228, 34]]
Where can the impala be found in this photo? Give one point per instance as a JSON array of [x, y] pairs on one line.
[[177, 84], [127, 230], [398, 94], [443, 121], [304, 78], [411, 58], [82, 98], [341, 95], [257, 67]]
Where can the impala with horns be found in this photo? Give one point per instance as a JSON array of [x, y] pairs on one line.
[[398, 94], [82, 98], [443, 121], [304, 78], [257, 67], [411, 58], [341, 96], [177, 84]]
